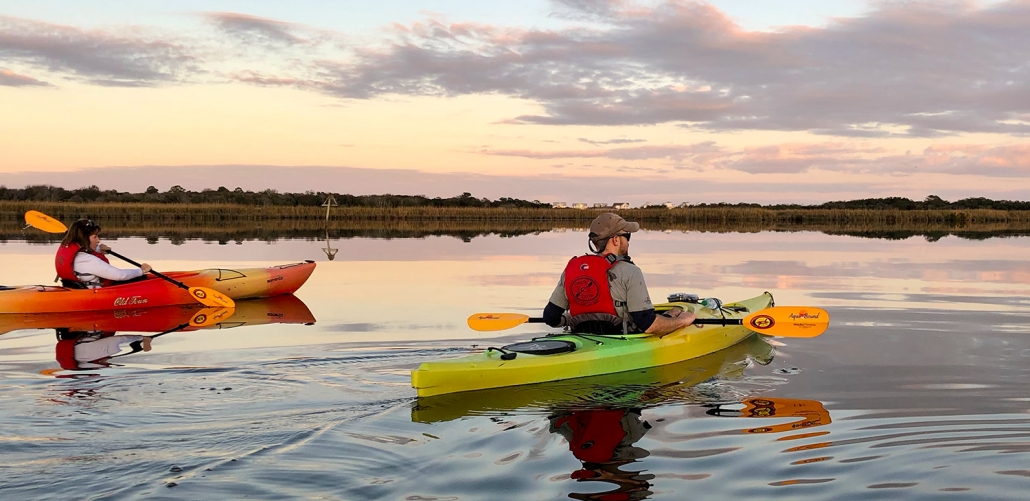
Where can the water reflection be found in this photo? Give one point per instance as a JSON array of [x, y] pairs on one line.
[[603, 440], [91, 340], [466, 231]]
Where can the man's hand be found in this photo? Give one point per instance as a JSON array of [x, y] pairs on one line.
[[145, 267], [663, 325]]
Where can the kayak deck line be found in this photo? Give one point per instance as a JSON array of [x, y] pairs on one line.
[[592, 354]]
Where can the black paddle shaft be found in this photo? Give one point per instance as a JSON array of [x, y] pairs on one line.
[[719, 321], [155, 272]]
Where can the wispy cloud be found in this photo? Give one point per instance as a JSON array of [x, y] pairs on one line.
[[611, 141], [129, 58], [259, 30], [1011, 160], [9, 78]]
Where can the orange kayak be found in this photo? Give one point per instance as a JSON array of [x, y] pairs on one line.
[[284, 309], [153, 292]]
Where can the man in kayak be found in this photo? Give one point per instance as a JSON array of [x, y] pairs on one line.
[[80, 261], [604, 292]]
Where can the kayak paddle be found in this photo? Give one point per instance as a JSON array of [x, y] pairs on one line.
[[204, 295], [208, 317], [781, 321]]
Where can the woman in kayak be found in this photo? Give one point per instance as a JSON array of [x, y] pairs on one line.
[[81, 262], [604, 292]]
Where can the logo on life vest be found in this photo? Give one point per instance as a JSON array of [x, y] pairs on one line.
[[584, 290], [762, 322]]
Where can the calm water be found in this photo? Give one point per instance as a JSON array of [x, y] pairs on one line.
[[917, 391]]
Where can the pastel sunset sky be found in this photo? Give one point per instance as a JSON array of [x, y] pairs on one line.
[[561, 100]]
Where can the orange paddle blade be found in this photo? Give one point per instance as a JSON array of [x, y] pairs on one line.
[[44, 222], [496, 321], [211, 316], [789, 321], [211, 297]]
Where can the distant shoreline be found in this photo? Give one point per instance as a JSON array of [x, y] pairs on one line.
[[215, 216]]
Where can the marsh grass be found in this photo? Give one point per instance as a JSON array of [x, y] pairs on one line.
[[223, 222]]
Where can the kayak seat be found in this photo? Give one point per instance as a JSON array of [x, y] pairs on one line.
[[542, 347], [69, 284], [6, 288]]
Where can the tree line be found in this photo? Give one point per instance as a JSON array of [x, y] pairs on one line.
[[179, 195], [932, 202]]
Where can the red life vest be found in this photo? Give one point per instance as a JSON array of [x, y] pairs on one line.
[[587, 288], [64, 261], [65, 349], [66, 354], [595, 434]]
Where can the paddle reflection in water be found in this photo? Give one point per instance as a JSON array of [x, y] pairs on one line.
[[90, 340]]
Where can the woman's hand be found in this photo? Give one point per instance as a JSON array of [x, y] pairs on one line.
[[145, 267], [103, 249]]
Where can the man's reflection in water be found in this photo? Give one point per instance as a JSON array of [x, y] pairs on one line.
[[603, 440], [95, 349]]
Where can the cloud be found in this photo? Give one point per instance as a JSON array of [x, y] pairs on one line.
[[637, 188], [904, 69], [611, 141], [258, 30], [9, 78], [131, 58], [1012, 160], [907, 69], [699, 153]]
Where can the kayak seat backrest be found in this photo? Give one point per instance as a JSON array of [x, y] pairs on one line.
[[70, 284], [6, 288], [542, 347]]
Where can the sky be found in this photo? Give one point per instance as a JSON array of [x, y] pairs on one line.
[[560, 101]]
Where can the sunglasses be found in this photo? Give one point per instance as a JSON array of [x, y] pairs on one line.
[[624, 235]]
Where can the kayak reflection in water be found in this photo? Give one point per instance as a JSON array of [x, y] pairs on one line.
[[80, 261], [94, 350], [603, 440], [604, 292]]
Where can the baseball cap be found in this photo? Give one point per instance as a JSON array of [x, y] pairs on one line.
[[608, 225]]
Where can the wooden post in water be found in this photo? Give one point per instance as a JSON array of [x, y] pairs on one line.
[[330, 252], [329, 203]]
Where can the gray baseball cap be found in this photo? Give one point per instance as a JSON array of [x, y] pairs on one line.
[[609, 224]]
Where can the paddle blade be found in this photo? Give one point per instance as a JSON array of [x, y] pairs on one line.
[[211, 297], [211, 316], [496, 321], [44, 222], [789, 321]]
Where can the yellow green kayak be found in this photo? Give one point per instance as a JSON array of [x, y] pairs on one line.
[[570, 355], [636, 388]]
